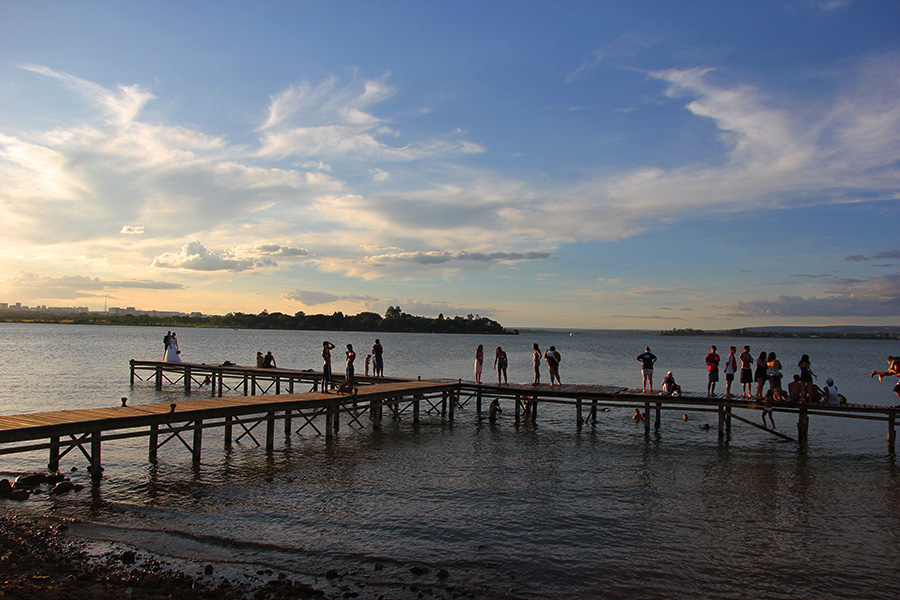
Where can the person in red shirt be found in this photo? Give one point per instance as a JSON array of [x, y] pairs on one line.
[[712, 363]]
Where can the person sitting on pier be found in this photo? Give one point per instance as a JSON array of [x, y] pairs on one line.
[[260, 359], [669, 386], [768, 408], [269, 361], [831, 393], [794, 389], [346, 386], [893, 368]]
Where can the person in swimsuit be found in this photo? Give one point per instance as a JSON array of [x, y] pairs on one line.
[[712, 365], [500, 364], [269, 361], [760, 376], [351, 356], [479, 362], [537, 363], [377, 359], [767, 409], [327, 347], [746, 373], [730, 370], [773, 372], [893, 368], [806, 378]]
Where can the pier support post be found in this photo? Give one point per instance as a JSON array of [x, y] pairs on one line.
[[443, 404], [131, 362], [270, 431], [578, 411], [478, 402], [518, 406], [802, 426], [374, 413], [452, 398], [187, 380], [96, 468], [221, 377], [728, 420], [337, 417], [229, 426], [892, 432], [287, 423], [416, 411], [329, 422], [532, 408], [291, 384], [277, 385], [594, 411], [646, 417], [158, 378], [658, 415], [246, 381], [154, 443], [198, 440], [53, 463], [721, 422], [253, 385]]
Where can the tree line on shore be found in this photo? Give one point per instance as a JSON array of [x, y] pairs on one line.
[[394, 320], [757, 333]]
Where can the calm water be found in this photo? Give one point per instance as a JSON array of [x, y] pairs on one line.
[[510, 512]]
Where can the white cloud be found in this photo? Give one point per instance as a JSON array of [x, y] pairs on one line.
[[132, 230], [194, 256]]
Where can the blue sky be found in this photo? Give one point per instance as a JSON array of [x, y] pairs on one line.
[[563, 164]]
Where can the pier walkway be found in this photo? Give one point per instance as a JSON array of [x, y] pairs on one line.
[[242, 399]]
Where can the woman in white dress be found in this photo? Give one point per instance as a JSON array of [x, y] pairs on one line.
[[172, 352]]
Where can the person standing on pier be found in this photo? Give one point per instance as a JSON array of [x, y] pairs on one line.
[[553, 358], [536, 358], [479, 362], [500, 364], [773, 372], [730, 370], [712, 364], [327, 347], [746, 373], [351, 356], [647, 360], [761, 375], [377, 359], [806, 378], [166, 339]]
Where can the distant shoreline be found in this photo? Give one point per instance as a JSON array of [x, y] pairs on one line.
[[889, 334], [394, 322]]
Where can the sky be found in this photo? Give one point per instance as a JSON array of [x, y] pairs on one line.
[[603, 164]]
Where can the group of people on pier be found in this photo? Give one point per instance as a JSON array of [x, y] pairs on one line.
[[501, 362], [375, 360]]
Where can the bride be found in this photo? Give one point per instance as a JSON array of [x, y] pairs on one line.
[[172, 351]]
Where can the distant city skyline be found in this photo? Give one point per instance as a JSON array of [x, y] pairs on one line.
[[648, 165]]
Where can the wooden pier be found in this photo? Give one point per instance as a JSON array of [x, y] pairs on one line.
[[85, 430], [244, 398]]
